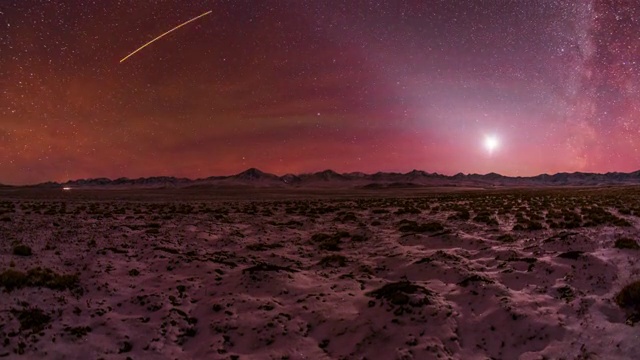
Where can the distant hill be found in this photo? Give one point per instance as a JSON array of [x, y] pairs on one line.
[[254, 175], [329, 178]]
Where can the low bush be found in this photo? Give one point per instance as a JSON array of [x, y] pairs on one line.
[[22, 250], [629, 296], [626, 243], [38, 277]]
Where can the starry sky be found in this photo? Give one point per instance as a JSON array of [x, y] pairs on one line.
[[296, 86]]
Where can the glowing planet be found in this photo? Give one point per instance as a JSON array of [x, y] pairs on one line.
[[491, 143]]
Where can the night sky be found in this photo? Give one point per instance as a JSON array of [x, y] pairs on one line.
[[300, 86]]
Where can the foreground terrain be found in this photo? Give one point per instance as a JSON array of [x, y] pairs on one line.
[[504, 274]]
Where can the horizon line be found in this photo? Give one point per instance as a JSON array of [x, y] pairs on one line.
[[317, 172]]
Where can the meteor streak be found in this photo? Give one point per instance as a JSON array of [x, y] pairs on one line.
[[175, 28]]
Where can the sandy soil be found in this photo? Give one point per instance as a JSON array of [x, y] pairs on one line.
[[520, 275]]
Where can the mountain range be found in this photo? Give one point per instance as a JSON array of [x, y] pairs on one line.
[[329, 178]]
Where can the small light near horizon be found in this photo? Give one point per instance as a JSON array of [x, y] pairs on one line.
[[66, 188]]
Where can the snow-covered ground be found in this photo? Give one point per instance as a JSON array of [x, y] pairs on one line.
[[319, 278]]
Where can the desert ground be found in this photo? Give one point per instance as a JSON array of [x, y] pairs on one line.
[[267, 274]]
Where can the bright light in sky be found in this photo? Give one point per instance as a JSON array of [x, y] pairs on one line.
[[491, 143]]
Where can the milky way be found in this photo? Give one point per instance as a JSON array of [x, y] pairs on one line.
[[300, 86]]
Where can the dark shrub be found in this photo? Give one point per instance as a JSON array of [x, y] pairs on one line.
[[396, 293], [33, 319], [38, 277], [507, 238], [629, 296], [626, 243], [412, 226], [333, 261], [22, 250]]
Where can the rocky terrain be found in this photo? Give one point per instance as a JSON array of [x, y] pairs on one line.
[[509, 274]]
